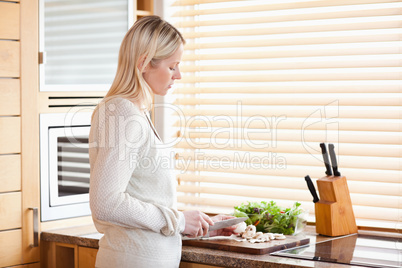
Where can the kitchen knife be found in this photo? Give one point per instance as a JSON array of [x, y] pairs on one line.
[[326, 159], [311, 187], [334, 163], [226, 223]]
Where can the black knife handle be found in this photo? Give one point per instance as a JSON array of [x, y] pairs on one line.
[[324, 152], [331, 148], [311, 187]]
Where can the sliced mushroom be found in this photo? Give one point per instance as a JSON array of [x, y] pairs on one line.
[[261, 237], [280, 237], [249, 232], [251, 235], [258, 235], [268, 237], [271, 236]]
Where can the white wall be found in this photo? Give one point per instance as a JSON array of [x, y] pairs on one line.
[[160, 9]]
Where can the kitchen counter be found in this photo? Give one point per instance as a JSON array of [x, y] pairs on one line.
[[87, 236]]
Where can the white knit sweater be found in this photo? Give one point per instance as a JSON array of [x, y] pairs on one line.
[[132, 190]]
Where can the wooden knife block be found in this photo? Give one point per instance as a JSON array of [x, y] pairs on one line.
[[334, 213]]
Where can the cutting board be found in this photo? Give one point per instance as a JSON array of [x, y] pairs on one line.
[[247, 247]]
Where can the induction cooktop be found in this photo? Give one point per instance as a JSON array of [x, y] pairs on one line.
[[355, 249]]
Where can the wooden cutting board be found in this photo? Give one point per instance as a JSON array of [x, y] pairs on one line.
[[247, 247]]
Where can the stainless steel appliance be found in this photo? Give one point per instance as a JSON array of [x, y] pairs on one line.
[[64, 165], [355, 249]]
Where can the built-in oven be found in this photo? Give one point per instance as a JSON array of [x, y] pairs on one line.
[[64, 165]]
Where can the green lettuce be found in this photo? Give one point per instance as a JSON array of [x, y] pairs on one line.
[[269, 217]]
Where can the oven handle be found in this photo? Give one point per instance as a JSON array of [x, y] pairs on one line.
[[35, 228]]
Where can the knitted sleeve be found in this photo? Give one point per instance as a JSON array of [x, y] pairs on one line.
[[118, 139]]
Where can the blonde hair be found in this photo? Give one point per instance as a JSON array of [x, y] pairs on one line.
[[149, 40]]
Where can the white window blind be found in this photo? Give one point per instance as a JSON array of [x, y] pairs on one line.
[[80, 41], [264, 82]]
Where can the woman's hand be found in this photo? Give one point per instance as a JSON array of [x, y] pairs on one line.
[[225, 231], [197, 223]]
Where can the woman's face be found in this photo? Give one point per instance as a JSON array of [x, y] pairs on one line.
[[161, 78]]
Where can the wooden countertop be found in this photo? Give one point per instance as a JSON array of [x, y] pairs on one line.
[[87, 236]]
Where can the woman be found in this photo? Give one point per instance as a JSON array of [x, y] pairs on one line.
[[132, 197]]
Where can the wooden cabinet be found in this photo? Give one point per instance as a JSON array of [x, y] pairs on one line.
[[10, 211], [62, 255], [18, 189], [143, 8], [10, 139], [10, 57], [10, 247], [86, 257], [10, 175], [9, 21], [10, 135], [10, 94]]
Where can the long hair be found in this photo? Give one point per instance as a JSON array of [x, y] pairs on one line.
[[149, 40]]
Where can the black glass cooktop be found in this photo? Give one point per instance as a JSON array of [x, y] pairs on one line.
[[361, 250]]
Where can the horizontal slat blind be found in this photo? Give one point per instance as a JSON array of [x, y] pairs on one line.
[[81, 40], [264, 82]]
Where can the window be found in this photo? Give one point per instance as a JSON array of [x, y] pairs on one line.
[[264, 82]]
